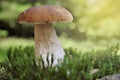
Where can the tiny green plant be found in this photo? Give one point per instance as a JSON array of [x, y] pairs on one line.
[[21, 65]]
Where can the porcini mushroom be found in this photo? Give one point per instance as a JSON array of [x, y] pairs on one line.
[[46, 40]]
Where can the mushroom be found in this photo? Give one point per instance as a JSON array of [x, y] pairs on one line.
[[47, 44]]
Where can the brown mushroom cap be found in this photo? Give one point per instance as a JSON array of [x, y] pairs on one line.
[[45, 14]]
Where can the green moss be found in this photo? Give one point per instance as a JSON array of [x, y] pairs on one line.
[[21, 65]]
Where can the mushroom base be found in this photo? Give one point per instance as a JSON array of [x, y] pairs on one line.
[[47, 45]]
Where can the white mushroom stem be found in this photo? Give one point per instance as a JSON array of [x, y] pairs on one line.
[[47, 44]]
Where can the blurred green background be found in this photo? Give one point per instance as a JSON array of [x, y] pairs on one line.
[[96, 24]]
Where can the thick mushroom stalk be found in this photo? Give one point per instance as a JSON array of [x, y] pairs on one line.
[[47, 45]]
